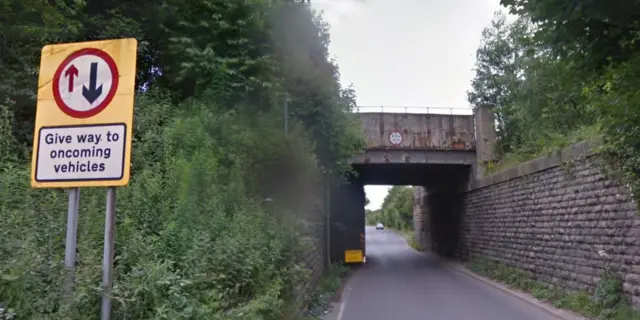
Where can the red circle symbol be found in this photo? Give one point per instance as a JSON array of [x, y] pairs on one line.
[[79, 83], [395, 137]]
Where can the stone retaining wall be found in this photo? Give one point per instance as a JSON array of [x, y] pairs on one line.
[[560, 218]]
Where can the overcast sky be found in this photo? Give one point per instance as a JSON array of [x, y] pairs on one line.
[[406, 52]]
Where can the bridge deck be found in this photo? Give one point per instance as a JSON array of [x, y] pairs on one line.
[[373, 156], [418, 131]]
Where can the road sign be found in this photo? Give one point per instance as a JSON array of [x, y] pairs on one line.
[[395, 137], [84, 114], [82, 95], [353, 256]]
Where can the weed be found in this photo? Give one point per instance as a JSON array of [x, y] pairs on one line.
[[327, 286], [606, 302]]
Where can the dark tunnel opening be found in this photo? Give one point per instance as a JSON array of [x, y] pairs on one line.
[[444, 184]]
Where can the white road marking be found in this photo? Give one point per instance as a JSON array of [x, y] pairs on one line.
[[344, 303]]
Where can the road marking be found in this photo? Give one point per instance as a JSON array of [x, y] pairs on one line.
[[344, 303]]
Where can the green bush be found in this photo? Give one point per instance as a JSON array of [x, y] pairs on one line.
[[195, 238], [191, 242]]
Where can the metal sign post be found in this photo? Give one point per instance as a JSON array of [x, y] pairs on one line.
[[80, 138], [72, 228], [107, 257], [72, 237]]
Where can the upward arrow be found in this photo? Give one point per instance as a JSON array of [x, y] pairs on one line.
[[71, 73], [92, 93]]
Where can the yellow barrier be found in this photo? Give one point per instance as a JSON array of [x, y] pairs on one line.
[[353, 256]]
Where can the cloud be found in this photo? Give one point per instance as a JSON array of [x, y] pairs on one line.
[[338, 11]]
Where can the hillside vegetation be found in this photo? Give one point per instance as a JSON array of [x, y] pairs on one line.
[[560, 73], [563, 72], [195, 238]]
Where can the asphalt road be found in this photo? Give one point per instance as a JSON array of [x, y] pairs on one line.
[[399, 283]]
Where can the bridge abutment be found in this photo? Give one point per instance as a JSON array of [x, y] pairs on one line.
[[422, 229], [486, 138]]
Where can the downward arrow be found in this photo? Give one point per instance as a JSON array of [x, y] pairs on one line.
[[71, 73], [92, 93]]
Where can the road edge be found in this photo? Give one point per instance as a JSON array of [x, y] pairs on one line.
[[337, 296], [338, 300], [520, 295], [561, 314]]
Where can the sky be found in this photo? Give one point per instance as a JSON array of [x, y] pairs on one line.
[[417, 53]]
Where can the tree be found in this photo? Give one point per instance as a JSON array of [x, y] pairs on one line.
[[499, 75], [397, 208], [195, 238], [592, 33], [538, 98]]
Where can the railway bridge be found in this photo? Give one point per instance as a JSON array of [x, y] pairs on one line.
[[437, 149]]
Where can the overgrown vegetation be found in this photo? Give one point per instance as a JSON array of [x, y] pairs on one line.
[[606, 302], [326, 288], [560, 73], [195, 238]]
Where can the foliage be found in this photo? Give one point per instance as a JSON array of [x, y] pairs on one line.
[[396, 211], [605, 303], [195, 238], [538, 99], [326, 288], [593, 33], [561, 73], [248, 51], [181, 245]]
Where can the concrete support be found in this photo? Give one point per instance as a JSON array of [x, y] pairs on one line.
[[422, 229], [485, 138], [347, 221]]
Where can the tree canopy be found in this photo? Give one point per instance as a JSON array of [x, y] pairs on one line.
[[195, 238], [560, 73]]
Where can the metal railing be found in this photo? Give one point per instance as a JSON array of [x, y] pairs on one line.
[[408, 109]]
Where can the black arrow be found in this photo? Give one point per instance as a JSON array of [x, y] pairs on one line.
[[92, 93]]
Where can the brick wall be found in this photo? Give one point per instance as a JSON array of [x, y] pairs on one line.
[[562, 222]]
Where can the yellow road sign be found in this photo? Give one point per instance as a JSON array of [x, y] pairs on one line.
[[353, 256], [84, 114]]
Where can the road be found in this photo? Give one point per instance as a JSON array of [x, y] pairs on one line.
[[399, 283]]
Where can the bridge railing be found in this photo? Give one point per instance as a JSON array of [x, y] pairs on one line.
[[409, 109]]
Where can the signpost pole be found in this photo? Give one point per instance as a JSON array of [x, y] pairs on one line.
[[107, 259], [72, 237], [82, 80], [72, 228]]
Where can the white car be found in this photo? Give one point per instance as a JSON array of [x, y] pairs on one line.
[[379, 226]]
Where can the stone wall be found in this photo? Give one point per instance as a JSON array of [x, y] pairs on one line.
[[420, 218], [560, 218]]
